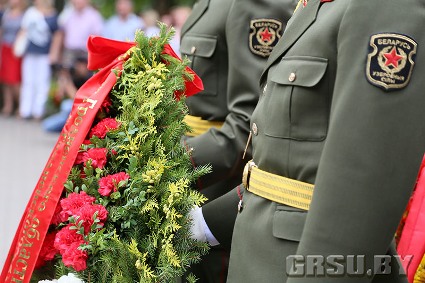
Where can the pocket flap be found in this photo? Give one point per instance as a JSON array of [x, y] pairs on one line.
[[300, 71], [288, 224], [199, 45]]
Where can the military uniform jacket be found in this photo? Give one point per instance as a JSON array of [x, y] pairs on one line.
[[344, 110], [227, 50]]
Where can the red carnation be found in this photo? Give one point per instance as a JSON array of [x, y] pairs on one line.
[[57, 218], [103, 127], [86, 213], [66, 237], [109, 184], [68, 241], [48, 251], [97, 157], [73, 203], [106, 104], [80, 158], [75, 257], [102, 212]]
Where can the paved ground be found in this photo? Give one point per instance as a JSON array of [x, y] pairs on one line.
[[24, 150]]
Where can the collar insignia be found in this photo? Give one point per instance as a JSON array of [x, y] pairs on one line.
[[303, 3]]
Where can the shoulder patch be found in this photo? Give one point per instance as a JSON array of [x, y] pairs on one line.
[[264, 35], [390, 60]]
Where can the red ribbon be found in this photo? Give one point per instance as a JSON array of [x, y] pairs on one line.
[[109, 56], [191, 87]]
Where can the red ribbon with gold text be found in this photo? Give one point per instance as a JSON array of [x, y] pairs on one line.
[[109, 56]]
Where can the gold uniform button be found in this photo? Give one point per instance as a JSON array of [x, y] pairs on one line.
[[292, 77], [254, 129], [192, 50]]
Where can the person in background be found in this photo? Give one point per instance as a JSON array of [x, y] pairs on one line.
[[123, 25], [40, 25], [68, 84], [150, 18], [179, 15], [2, 8], [81, 21], [228, 44], [66, 11], [166, 19], [10, 65]]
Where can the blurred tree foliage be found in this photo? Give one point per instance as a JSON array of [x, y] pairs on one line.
[[106, 7]]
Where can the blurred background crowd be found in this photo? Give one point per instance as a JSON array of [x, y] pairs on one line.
[[43, 59]]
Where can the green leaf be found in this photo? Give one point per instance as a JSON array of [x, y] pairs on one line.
[[126, 224], [88, 169], [94, 217], [84, 188], [142, 196], [132, 129], [69, 186], [132, 166], [115, 195], [122, 183]]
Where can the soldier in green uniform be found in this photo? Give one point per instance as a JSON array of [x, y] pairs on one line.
[[338, 137], [228, 43]]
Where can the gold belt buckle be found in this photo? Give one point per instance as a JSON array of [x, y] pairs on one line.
[[247, 173]]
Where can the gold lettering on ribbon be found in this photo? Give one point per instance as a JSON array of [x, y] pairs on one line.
[[24, 254], [30, 230], [22, 273], [91, 101], [23, 267]]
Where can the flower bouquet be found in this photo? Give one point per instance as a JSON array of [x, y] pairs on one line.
[[118, 212]]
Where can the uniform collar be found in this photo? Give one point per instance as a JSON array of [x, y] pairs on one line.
[[198, 10], [300, 22]]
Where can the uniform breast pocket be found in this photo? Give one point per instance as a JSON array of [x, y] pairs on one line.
[[298, 105], [201, 51]]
